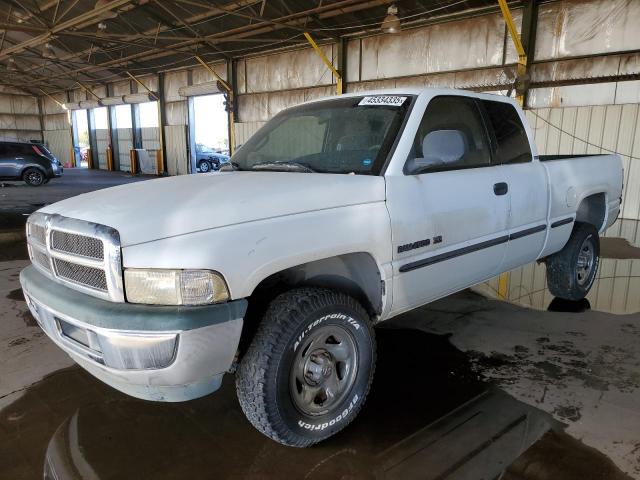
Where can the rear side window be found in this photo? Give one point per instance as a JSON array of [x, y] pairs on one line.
[[9, 149], [512, 144], [451, 136], [19, 149]]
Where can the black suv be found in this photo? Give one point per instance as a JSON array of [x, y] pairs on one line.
[[31, 162]]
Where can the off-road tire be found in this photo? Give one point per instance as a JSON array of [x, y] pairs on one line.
[[33, 177], [563, 267], [263, 379]]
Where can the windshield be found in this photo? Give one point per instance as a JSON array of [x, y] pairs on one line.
[[345, 135], [204, 149]]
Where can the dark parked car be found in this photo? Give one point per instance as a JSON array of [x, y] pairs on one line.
[[31, 162], [208, 159]]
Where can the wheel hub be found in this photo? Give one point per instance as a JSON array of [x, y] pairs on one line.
[[324, 370], [318, 367], [586, 261]]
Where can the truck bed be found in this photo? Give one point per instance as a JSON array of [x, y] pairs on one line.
[[571, 179]]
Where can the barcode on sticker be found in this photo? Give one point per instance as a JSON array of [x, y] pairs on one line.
[[386, 100]]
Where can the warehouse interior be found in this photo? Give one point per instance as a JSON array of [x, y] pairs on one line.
[[125, 91]]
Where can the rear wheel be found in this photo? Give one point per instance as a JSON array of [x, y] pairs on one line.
[[308, 370], [572, 271], [33, 177]]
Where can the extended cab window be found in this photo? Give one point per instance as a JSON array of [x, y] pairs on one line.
[[451, 135], [512, 144], [346, 135]]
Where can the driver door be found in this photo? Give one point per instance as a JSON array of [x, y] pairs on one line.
[[450, 215]]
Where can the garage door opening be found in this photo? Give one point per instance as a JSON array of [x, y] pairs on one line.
[[80, 127], [208, 132]]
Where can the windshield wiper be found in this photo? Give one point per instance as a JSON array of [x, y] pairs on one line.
[[283, 167]]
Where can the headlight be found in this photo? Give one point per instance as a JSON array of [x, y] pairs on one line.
[[174, 287]]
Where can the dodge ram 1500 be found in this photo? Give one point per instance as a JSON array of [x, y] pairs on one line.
[[338, 214]]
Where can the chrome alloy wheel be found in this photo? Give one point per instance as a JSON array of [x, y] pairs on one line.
[[35, 177], [586, 261], [324, 370]]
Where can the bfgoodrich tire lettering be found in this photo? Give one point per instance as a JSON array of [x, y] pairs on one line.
[[298, 322], [572, 271]]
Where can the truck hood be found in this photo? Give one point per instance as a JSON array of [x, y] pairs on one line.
[[154, 209]]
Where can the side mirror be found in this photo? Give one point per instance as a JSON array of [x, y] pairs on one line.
[[439, 148]]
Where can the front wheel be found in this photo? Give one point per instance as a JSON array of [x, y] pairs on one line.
[[205, 166], [309, 368], [572, 271]]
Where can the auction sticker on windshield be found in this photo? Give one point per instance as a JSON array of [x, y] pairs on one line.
[[385, 100]]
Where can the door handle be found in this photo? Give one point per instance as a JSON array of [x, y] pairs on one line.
[[500, 188]]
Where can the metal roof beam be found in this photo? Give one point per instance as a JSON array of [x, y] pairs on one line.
[[323, 11], [42, 38]]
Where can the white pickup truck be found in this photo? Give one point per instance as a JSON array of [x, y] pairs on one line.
[[338, 214]]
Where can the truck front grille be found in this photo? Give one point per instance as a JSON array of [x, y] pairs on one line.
[[81, 274], [37, 233], [77, 244], [41, 259], [83, 255]]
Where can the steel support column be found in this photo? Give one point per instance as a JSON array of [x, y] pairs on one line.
[[327, 62], [162, 121], [522, 55]]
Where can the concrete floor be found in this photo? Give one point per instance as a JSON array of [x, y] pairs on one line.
[[553, 372]]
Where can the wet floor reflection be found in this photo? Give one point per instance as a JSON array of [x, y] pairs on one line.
[[87, 430], [616, 288]]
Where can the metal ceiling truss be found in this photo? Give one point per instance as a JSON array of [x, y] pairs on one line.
[[251, 23]]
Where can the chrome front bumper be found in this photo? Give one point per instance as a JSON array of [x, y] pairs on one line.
[[156, 353]]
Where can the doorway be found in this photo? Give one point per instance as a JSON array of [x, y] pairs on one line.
[[80, 130], [208, 132]]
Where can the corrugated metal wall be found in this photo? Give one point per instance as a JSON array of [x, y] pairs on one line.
[[245, 130], [19, 117], [59, 143], [102, 142], [175, 137], [57, 129], [594, 129], [125, 144]]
